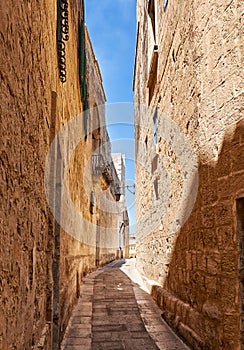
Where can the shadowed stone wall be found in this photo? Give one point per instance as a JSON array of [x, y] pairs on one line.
[[188, 65]]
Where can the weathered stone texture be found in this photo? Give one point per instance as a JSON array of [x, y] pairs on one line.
[[41, 266], [198, 85], [27, 79]]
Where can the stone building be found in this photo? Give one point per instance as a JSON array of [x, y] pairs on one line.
[[125, 234], [132, 246], [123, 218], [49, 76], [189, 166]]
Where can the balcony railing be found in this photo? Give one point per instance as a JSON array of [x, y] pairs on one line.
[[101, 168], [98, 164]]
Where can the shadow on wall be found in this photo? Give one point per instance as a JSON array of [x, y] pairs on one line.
[[200, 297]]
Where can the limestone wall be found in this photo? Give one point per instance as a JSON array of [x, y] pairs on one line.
[[28, 76], [193, 77]]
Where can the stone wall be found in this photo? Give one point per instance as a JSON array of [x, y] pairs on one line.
[[42, 265], [28, 77], [190, 70]]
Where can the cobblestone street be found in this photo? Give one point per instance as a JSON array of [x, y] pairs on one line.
[[114, 313]]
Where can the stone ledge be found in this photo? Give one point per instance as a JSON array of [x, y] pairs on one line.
[[175, 313], [45, 338]]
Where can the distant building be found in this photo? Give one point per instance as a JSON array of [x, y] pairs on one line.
[[132, 246], [123, 218]]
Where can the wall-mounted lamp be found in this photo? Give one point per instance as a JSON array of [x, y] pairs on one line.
[[117, 192], [130, 188], [117, 196]]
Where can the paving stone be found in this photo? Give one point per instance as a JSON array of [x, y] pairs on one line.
[[140, 335], [77, 341], [84, 326], [77, 347], [80, 320], [152, 328], [108, 346], [99, 336], [135, 327], [140, 344], [170, 345], [80, 332], [111, 328]]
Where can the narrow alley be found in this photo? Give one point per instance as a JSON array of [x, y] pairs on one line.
[[115, 313], [121, 175]]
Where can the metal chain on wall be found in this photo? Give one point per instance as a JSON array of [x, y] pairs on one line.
[[62, 36]]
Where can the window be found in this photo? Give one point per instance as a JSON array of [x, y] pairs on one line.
[[146, 142], [155, 184], [165, 4], [155, 128], [152, 48], [154, 164], [82, 75], [151, 12], [152, 81], [95, 130]]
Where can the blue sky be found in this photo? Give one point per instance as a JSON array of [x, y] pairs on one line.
[[112, 28]]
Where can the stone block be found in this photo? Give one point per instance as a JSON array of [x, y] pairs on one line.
[[228, 289], [208, 217], [201, 260], [208, 195], [230, 331], [237, 158], [224, 214], [223, 167], [212, 310], [226, 237], [211, 285], [213, 262], [210, 238], [229, 261]]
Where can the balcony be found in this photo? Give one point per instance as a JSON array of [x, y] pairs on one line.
[[101, 168]]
